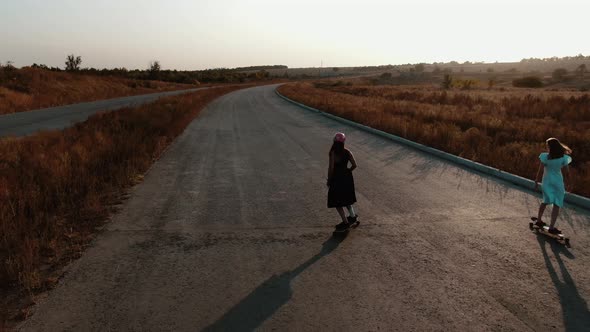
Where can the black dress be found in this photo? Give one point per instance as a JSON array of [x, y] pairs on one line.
[[341, 192]]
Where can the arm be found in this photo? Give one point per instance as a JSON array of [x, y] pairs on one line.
[[537, 178], [352, 161], [330, 168]]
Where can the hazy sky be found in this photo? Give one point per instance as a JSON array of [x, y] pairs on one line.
[[201, 34]]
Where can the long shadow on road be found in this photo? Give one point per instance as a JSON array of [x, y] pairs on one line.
[[576, 316], [267, 298]]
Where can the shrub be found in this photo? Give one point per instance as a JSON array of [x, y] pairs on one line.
[[559, 74], [528, 82], [447, 82], [491, 82], [465, 84], [385, 76]]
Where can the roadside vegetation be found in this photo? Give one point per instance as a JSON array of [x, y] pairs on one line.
[[155, 72], [57, 187], [33, 88], [504, 128]]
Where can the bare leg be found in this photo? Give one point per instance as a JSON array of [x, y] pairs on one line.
[[541, 211], [351, 212], [554, 214], [342, 215]]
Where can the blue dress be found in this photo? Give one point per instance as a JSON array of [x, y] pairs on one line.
[[553, 186]]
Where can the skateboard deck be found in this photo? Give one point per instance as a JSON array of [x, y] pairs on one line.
[[545, 231]]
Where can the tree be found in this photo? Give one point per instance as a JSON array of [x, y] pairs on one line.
[[154, 69], [581, 70], [559, 74], [8, 66], [73, 62], [419, 67]]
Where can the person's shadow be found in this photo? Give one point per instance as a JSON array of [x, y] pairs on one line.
[[267, 298], [576, 316]]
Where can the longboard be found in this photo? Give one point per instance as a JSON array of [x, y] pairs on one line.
[[545, 231]]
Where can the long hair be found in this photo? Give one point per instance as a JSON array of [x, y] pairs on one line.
[[556, 148], [337, 148]]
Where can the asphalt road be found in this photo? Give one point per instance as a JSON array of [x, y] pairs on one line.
[[230, 231], [27, 123]]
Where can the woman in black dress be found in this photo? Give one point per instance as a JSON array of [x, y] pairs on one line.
[[340, 181]]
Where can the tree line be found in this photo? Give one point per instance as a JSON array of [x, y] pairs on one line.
[[154, 71]]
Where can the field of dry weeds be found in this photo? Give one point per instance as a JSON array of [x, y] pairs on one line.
[[33, 88], [57, 187], [502, 128]]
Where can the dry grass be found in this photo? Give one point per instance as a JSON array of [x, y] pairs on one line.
[[504, 129], [57, 187], [32, 88]]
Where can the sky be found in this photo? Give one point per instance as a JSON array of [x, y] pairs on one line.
[[202, 34]]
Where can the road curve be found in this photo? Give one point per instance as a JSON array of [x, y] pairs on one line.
[[230, 231], [27, 123]]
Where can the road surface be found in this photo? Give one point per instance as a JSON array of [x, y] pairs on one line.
[[27, 123], [230, 231]]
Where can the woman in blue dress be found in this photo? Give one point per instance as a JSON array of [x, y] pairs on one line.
[[340, 181], [553, 186]]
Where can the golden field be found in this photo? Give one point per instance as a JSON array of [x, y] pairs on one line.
[[34, 88], [504, 128], [58, 187]]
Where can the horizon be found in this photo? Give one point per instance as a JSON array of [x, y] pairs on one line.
[[466, 63], [303, 34]]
